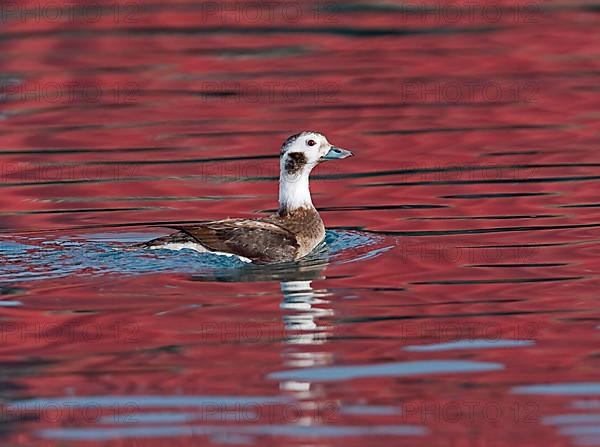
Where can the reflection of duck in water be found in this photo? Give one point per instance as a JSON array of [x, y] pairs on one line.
[[299, 298], [290, 234], [303, 308]]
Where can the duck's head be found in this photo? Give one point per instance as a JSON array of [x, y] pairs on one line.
[[303, 151], [300, 153]]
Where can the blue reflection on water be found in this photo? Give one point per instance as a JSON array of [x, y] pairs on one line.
[[394, 369], [561, 389], [204, 430]]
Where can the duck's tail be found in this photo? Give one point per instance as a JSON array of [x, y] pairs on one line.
[[176, 238]]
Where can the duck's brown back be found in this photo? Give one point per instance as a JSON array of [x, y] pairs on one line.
[[277, 238]]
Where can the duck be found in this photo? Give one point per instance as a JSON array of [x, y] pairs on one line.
[[288, 235]]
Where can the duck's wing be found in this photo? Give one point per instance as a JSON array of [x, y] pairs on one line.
[[261, 241]]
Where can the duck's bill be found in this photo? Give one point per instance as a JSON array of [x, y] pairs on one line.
[[336, 153]]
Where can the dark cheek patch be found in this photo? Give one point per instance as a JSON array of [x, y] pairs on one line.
[[295, 162]]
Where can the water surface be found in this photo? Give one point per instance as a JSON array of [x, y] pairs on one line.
[[455, 299]]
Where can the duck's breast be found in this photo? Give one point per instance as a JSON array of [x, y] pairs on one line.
[[307, 226]]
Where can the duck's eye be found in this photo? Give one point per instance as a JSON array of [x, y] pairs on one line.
[[311, 142]]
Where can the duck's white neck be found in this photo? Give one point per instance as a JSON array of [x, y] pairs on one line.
[[294, 191]]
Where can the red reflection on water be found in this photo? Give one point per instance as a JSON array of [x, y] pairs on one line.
[[475, 155]]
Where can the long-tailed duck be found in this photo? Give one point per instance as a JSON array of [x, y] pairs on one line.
[[288, 235]]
